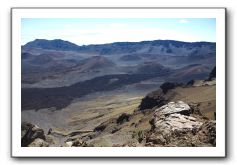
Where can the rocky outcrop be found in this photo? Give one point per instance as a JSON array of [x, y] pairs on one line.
[[38, 143], [190, 83], [76, 143], [176, 122], [100, 127], [114, 124], [207, 132], [153, 99], [168, 86], [173, 107], [212, 75], [159, 97], [123, 118], [173, 125], [32, 136]]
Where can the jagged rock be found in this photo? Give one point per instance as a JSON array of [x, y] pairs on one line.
[[50, 139], [168, 86], [69, 144], [190, 83], [115, 130], [108, 125], [123, 118], [173, 107], [77, 143], [156, 139], [195, 108], [153, 99], [100, 128], [112, 125], [38, 143], [29, 133], [172, 126], [212, 75], [207, 132], [176, 122]]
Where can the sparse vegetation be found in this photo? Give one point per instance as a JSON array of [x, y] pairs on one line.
[[139, 135]]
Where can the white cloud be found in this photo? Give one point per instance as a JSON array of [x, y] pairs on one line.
[[117, 25], [68, 26], [183, 21]]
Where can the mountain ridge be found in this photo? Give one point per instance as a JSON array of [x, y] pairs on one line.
[[171, 47]]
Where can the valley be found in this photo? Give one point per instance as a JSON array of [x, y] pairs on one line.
[[93, 95]]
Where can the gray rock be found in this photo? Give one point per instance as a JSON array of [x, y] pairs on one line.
[[173, 107], [172, 126], [156, 139], [38, 143], [207, 132], [176, 122], [29, 133], [69, 144]]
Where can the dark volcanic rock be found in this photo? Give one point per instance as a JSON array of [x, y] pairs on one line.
[[60, 97], [212, 75], [29, 133], [194, 107], [100, 128], [153, 99], [169, 85], [190, 83], [123, 118]]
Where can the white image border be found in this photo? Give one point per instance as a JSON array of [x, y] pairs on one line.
[[218, 151]]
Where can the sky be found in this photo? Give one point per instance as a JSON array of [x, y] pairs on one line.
[[85, 31]]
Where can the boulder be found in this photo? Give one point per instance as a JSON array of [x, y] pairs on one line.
[[100, 128], [172, 125], [123, 118], [153, 99], [168, 86], [29, 133], [207, 132], [195, 108], [212, 75], [38, 143], [77, 143], [176, 122], [69, 144], [190, 83], [173, 107], [156, 139]]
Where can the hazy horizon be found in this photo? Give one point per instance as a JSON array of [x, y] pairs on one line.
[[111, 42], [87, 31]]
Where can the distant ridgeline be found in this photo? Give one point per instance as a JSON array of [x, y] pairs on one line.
[[169, 47]]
